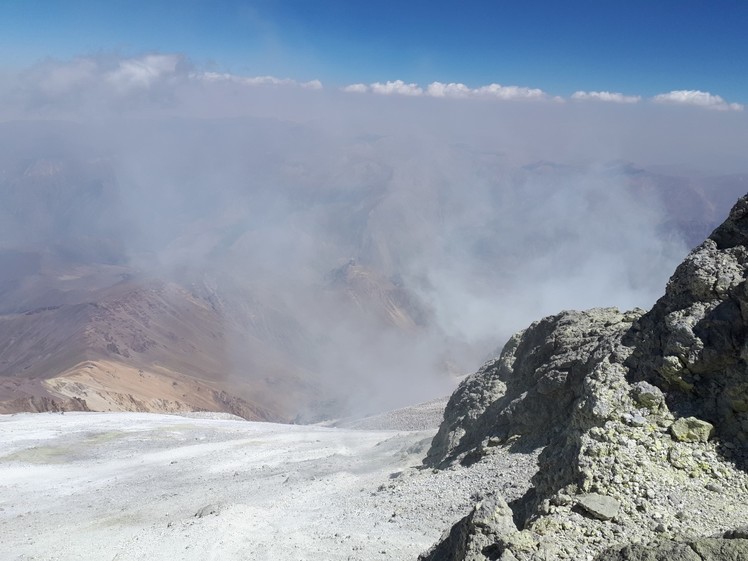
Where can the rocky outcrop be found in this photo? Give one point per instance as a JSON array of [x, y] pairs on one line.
[[44, 404], [694, 342], [486, 532], [642, 419], [509, 397]]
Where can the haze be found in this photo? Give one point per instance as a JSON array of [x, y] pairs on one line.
[[392, 241]]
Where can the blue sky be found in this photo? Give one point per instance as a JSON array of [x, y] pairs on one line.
[[635, 47]]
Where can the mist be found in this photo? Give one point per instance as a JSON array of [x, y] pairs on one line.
[[377, 246]]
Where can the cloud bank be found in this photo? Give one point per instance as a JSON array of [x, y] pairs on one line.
[[344, 213], [255, 80], [450, 90], [126, 82], [697, 98], [613, 97]]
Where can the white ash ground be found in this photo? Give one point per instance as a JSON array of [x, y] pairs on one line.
[[128, 486]]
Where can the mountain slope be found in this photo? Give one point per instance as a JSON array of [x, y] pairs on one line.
[[139, 345]]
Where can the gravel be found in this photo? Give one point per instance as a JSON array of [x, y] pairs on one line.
[[424, 416]]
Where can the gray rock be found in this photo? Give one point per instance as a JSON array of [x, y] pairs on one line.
[[691, 429], [721, 548], [599, 506], [648, 396], [529, 390], [494, 515], [672, 551], [737, 533], [487, 530], [207, 510]]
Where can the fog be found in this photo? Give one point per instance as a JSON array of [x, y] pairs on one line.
[[388, 242]]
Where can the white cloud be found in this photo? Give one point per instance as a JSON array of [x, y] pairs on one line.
[[141, 73], [265, 80], [273, 81], [397, 87], [438, 89], [510, 92], [356, 88], [312, 85], [111, 82], [613, 97], [100, 83], [255, 80], [699, 98], [451, 90]]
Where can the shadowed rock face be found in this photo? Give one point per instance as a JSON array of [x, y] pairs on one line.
[[625, 406]]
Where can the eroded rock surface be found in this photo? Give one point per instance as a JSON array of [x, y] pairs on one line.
[[694, 342], [731, 546], [510, 396], [642, 419]]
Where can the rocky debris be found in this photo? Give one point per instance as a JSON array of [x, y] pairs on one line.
[[641, 420], [443, 496], [730, 546], [424, 416]]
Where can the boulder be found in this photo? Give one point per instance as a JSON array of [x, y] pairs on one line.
[[691, 429], [485, 533], [599, 506]]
